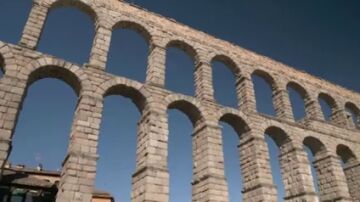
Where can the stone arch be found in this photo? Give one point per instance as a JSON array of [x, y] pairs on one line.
[[222, 67], [118, 53], [34, 27], [330, 101], [236, 121], [135, 26], [353, 113], [190, 62], [67, 77], [230, 149], [351, 168], [271, 94], [285, 147], [266, 76], [300, 90], [315, 145], [40, 33], [133, 90], [228, 62], [187, 105], [192, 109], [280, 137], [81, 5], [139, 96], [56, 72], [56, 68], [317, 156], [184, 46], [345, 153]]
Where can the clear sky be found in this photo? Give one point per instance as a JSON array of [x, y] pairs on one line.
[[320, 37]]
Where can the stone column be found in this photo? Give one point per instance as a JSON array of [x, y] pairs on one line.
[[282, 104], [34, 26], [203, 81], [209, 183], [12, 91], [338, 116], [155, 74], [100, 47], [349, 120], [296, 175], [255, 168], [245, 93], [352, 173], [150, 182], [331, 179], [79, 167], [313, 109]]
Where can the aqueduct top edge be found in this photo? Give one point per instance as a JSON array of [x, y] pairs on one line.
[[249, 53]]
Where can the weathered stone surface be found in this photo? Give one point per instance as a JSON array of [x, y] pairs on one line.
[[23, 65]]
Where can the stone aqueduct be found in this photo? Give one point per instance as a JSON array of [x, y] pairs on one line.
[[330, 141]]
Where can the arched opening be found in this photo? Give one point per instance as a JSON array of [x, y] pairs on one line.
[[346, 155], [42, 131], [328, 106], [180, 158], [225, 74], [351, 168], [310, 158], [118, 141], [76, 35], [352, 114], [314, 149], [56, 72], [18, 12], [298, 96], [180, 62], [232, 128], [128, 51], [44, 124], [278, 143], [263, 87]]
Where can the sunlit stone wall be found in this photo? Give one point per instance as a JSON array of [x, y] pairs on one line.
[[330, 141]]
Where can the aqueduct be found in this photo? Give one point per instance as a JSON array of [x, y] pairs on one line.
[[335, 143]]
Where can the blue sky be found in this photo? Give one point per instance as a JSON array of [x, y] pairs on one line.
[[321, 37]]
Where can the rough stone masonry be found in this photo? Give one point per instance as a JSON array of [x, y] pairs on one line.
[[334, 143]]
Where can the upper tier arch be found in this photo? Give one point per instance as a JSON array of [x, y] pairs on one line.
[[82, 5], [230, 63], [267, 76], [186, 47], [331, 102], [299, 88], [355, 111], [135, 26]]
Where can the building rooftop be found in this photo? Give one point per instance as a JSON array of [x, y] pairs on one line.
[[39, 179]]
